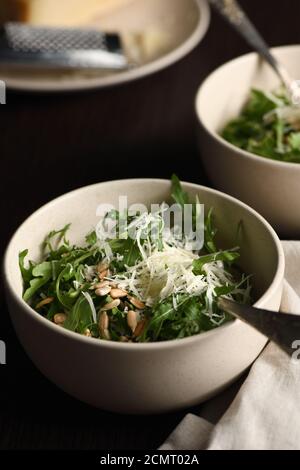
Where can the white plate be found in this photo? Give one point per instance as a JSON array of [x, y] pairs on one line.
[[182, 22]]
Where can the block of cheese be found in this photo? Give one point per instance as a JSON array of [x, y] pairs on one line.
[[57, 12]]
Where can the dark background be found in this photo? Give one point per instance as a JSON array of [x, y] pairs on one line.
[[52, 144]]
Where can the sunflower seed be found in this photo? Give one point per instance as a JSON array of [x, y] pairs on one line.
[[59, 318], [103, 322], [140, 328], [115, 303], [103, 326], [136, 302], [102, 267], [46, 301], [123, 339], [117, 293], [103, 274], [103, 291], [99, 285], [105, 334], [132, 320]]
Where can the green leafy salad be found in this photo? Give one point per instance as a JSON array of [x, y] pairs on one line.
[[269, 125], [135, 289]]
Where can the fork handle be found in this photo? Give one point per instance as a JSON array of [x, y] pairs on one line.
[[233, 13], [281, 328]]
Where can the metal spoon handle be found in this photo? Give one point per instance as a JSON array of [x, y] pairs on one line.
[[236, 16], [281, 328]]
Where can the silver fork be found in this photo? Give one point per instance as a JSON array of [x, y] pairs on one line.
[[281, 328], [236, 16]]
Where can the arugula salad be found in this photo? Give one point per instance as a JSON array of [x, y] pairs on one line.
[[269, 126], [135, 289]]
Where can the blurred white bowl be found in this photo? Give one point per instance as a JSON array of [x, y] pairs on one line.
[[271, 187], [181, 24], [144, 378]]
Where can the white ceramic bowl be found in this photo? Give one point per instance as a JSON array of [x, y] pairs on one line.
[[144, 378], [269, 186], [183, 22]]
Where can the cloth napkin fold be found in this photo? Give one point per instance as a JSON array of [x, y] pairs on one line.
[[265, 415]]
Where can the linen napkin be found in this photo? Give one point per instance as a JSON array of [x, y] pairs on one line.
[[265, 414]]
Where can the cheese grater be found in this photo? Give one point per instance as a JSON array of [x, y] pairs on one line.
[[50, 48]]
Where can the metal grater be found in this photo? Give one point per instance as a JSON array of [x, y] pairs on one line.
[[39, 47]]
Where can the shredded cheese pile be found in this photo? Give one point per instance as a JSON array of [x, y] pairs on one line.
[[168, 271]]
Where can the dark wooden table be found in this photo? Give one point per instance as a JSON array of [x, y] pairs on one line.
[[52, 144]]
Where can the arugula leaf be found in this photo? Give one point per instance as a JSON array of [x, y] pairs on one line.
[[182, 198], [177, 193], [265, 147], [91, 238], [162, 312], [56, 236], [63, 296], [210, 233], [190, 317], [240, 130], [80, 316], [132, 253], [195, 319], [41, 273], [259, 133], [294, 141], [226, 256], [26, 273], [127, 248], [118, 324], [258, 105], [224, 290]]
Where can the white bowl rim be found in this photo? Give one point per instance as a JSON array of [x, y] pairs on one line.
[[274, 285], [219, 138], [128, 76]]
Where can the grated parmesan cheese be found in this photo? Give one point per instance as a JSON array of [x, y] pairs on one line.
[[168, 271]]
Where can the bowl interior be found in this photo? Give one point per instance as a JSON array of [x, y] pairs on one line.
[[176, 19], [226, 90], [259, 249]]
